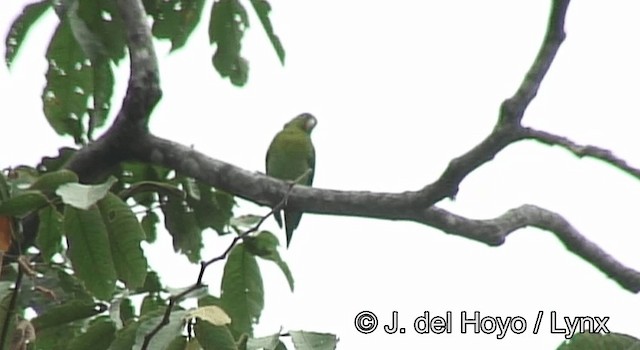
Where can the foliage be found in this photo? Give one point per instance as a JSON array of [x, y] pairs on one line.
[[90, 40], [101, 257]]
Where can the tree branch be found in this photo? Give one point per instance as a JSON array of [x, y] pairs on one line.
[[508, 128], [512, 109], [580, 151], [493, 232]]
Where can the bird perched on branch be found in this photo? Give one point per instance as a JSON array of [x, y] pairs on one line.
[[291, 156]]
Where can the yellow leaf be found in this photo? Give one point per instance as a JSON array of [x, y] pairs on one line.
[[212, 314]]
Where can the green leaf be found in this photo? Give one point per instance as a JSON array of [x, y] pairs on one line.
[[262, 8], [4, 187], [49, 164], [69, 84], [269, 342], [166, 334], [79, 67], [208, 300], [49, 182], [66, 313], [105, 29], [21, 178], [242, 290], [175, 19], [596, 341], [148, 223], [228, 22], [21, 26], [4, 307], [73, 286], [49, 238], [151, 304], [89, 250], [213, 337], [84, 196], [125, 235], [50, 291], [98, 336], [179, 343], [125, 337], [57, 337], [191, 188], [183, 227], [23, 204], [127, 311], [313, 341], [97, 26], [137, 189], [265, 246], [103, 83], [213, 209], [151, 283]]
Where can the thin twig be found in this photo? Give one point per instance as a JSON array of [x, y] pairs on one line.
[[204, 264], [10, 308], [580, 151]]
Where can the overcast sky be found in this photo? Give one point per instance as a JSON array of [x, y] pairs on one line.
[[400, 88]]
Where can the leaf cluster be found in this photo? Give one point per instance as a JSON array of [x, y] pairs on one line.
[[90, 40], [89, 281]]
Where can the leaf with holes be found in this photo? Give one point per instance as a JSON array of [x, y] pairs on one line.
[[69, 84], [21, 26], [181, 223], [262, 8], [228, 22], [175, 19]]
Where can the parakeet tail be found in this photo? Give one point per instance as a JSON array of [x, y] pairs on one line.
[[291, 221]]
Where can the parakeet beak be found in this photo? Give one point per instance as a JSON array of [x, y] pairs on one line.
[[311, 123]]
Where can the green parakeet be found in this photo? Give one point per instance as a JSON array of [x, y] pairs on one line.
[[290, 155]]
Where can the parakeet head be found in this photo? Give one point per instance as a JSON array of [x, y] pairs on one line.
[[304, 121]]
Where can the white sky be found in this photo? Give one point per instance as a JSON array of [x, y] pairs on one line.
[[399, 90]]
